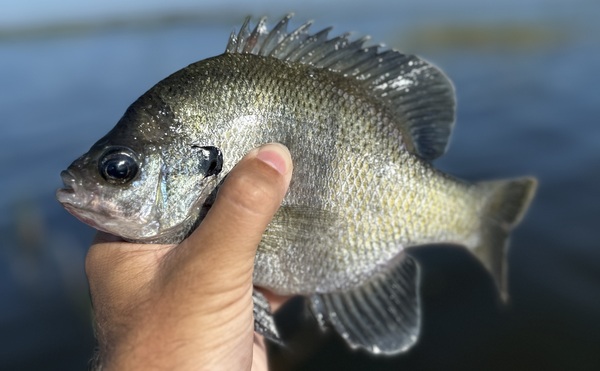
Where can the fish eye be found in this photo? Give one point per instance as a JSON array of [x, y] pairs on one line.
[[118, 166], [212, 160]]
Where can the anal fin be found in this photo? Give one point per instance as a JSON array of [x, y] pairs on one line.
[[383, 316]]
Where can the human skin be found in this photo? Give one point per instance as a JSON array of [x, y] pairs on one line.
[[189, 306]]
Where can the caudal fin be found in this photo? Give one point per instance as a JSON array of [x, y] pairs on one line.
[[507, 202]]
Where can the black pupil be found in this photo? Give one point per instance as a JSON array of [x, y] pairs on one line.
[[118, 168]]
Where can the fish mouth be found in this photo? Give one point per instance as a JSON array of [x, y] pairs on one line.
[[67, 194], [73, 201]]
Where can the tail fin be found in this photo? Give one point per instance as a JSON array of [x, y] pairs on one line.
[[507, 202]]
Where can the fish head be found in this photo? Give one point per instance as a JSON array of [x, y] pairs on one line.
[[132, 185]]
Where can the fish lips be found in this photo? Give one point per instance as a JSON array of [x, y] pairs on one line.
[[72, 200], [68, 194]]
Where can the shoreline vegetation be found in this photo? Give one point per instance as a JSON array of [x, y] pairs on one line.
[[68, 28], [460, 34], [504, 36]]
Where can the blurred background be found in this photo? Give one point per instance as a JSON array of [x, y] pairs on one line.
[[528, 87]]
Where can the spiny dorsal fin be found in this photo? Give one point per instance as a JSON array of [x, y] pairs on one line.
[[419, 93]]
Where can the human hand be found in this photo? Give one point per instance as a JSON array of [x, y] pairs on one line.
[[189, 306]]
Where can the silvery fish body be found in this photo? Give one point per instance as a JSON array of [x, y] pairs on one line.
[[362, 126]]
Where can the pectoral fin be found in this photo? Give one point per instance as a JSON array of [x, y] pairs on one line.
[[264, 323], [381, 316]]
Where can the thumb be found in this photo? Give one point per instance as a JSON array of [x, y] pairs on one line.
[[224, 245]]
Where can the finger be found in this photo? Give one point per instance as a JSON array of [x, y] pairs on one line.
[[112, 256], [226, 241], [117, 270]]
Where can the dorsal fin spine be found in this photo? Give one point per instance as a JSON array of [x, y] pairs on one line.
[[243, 35], [232, 43], [273, 37], [291, 42], [309, 45], [255, 35]]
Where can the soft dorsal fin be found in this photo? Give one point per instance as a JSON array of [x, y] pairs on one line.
[[418, 92]]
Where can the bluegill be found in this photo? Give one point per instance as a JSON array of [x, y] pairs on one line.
[[362, 124]]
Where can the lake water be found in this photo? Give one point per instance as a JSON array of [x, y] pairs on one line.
[[528, 89]]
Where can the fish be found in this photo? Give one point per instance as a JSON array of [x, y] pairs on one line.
[[363, 124]]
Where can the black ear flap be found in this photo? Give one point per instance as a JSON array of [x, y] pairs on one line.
[[211, 161]]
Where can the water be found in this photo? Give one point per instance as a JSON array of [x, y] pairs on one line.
[[529, 103]]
